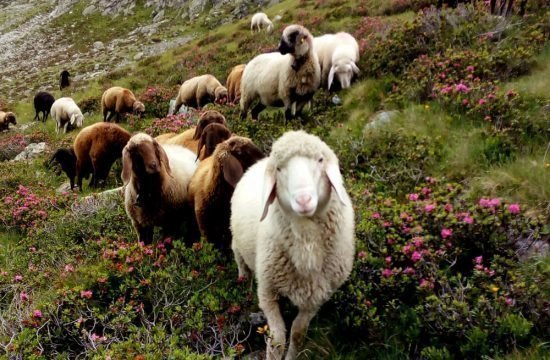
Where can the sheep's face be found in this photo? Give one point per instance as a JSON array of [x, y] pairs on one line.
[[344, 72], [77, 120], [144, 157], [296, 40], [138, 108], [220, 95], [10, 118], [207, 118], [211, 136]]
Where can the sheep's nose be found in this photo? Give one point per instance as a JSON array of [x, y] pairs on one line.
[[303, 200]]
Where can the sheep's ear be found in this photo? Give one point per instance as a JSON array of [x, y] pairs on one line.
[[331, 76], [269, 192], [232, 170], [202, 143], [355, 69], [335, 179], [73, 119], [161, 155], [126, 166]]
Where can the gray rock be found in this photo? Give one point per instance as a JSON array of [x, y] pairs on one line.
[[64, 188], [138, 56], [336, 100], [27, 126], [380, 119], [31, 151], [89, 10], [158, 17], [277, 18], [96, 67], [98, 45]]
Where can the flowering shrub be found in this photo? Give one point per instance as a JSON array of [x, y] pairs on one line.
[[11, 145], [426, 269], [171, 123], [157, 100]]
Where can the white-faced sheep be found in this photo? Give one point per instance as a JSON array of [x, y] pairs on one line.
[[261, 21], [155, 185], [96, 148], [293, 225], [233, 83], [7, 118], [338, 54], [288, 78], [199, 91], [212, 185], [190, 138], [117, 101], [65, 112], [43, 102], [64, 80]]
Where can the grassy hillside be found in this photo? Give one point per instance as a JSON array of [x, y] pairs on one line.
[[451, 194]]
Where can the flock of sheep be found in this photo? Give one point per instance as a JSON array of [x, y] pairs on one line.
[[287, 217]]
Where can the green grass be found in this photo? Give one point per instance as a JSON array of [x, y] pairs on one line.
[[536, 82]]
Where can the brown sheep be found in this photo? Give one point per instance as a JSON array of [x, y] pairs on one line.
[[190, 137], [162, 138], [212, 186], [233, 84], [7, 118], [200, 90], [212, 135], [117, 101], [96, 148], [155, 179]]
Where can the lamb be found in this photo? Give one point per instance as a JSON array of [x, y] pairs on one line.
[[64, 80], [155, 184], [233, 83], [65, 112], [43, 102], [293, 226], [117, 101], [212, 185], [7, 118], [66, 158], [190, 138], [260, 21], [200, 90], [289, 78], [338, 54], [96, 148]]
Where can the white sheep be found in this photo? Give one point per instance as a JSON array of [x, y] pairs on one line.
[[289, 78], [155, 179], [293, 226], [65, 111], [260, 21], [338, 54]]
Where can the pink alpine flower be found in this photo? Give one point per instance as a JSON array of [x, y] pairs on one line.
[[69, 268], [478, 259], [37, 314], [468, 220], [18, 278], [408, 271], [362, 255], [388, 260], [482, 102], [413, 197], [375, 215], [484, 202], [418, 242], [426, 284], [494, 202], [416, 256], [23, 296], [514, 208], [445, 233], [470, 68], [429, 207], [87, 294], [387, 273], [462, 88]]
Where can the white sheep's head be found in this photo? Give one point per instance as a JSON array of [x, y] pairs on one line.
[[77, 120], [144, 157], [138, 107], [296, 40], [220, 95], [301, 173], [344, 72]]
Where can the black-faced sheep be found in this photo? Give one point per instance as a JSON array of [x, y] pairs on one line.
[[43, 102], [65, 112], [260, 21], [288, 78], [293, 225], [199, 91], [64, 80], [117, 101], [7, 118], [96, 148], [66, 158], [338, 53], [155, 184], [233, 83], [190, 138], [212, 186]]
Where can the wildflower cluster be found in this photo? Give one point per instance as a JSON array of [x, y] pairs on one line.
[[157, 100], [171, 123]]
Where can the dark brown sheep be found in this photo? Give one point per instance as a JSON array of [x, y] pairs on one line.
[[190, 137], [7, 118], [212, 186], [67, 160], [96, 148], [212, 135], [118, 101], [233, 84], [43, 102]]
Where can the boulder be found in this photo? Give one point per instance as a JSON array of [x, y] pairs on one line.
[[31, 151]]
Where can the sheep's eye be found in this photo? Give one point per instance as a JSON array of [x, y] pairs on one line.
[[278, 169], [320, 160]]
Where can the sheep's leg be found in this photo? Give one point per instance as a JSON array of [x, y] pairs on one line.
[[145, 234], [256, 110], [37, 116], [65, 127], [110, 115], [244, 270], [298, 332], [277, 330]]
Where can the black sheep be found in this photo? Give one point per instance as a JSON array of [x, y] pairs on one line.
[[64, 80], [42, 104], [67, 159]]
